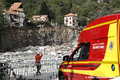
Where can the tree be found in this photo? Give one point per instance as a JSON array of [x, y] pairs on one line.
[[27, 10], [115, 3], [97, 15], [59, 3], [104, 8], [56, 8], [91, 19], [2, 6], [37, 10], [44, 9], [85, 12], [104, 11], [76, 9], [66, 7], [58, 12], [60, 20], [82, 21], [9, 2], [1, 19]]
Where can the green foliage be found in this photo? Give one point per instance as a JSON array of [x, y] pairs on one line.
[[66, 7], [36, 23], [115, 3], [46, 23], [91, 19], [56, 9], [82, 21], [85, 12], [60, 20], [1, 19], [2, 6], [44, 9]]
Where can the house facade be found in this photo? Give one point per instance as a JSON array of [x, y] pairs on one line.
[[71, 19], [40, 18], [15, 15]]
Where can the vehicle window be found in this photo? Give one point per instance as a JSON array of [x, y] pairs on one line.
[[76, 54], [81, 53], [85, 52]]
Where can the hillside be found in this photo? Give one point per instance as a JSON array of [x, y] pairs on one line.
[[87, 10], [22, 37]]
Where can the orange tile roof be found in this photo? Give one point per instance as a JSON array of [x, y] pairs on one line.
[[11, 12], [16, 6], [38, 16], [19, 9], [70, 14]]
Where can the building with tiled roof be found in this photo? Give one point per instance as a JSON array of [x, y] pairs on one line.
[[10, 12], [71, 19], [71, 14], [40, 18], [15, 15], [17, 6]]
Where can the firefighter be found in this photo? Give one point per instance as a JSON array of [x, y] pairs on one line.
[[37, 60]]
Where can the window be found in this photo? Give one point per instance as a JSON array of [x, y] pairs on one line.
[[81, 53], [66, 20], [76, 54], [85, 52], [73, 21], [73, 18]]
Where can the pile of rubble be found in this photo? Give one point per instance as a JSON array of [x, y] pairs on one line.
[[23, 60]]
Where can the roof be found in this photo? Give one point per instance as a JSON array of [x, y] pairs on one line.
[[38, 16], [16, 6], [11, 12], [71, 14]]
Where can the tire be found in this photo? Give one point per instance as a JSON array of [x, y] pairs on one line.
[[62, 77], [95, 78]]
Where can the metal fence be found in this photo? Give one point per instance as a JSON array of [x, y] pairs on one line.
[[49, 69], [4, 71], [22, 62]]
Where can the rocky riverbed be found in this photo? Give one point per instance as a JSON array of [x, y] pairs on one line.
[[22, 60], [21, 45]]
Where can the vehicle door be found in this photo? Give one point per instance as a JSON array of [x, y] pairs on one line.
[[78, 60]]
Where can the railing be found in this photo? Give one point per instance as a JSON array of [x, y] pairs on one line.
[[4, 71], [49, 69], [22, 62]]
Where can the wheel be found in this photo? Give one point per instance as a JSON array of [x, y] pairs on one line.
[[62, 77], [95, 78]]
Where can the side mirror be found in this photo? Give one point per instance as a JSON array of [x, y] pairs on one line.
[[66, 58]]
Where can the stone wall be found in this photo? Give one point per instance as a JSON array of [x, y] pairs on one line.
[[21, 37]]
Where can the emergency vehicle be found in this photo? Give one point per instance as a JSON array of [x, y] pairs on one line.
[[97, 56]]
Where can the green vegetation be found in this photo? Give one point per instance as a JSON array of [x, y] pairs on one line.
[[87, 10], [2, 6]]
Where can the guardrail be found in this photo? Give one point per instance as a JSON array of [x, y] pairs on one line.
[[4, 71], [48, 68]]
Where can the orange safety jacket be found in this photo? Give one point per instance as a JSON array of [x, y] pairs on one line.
[[38, 58]]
